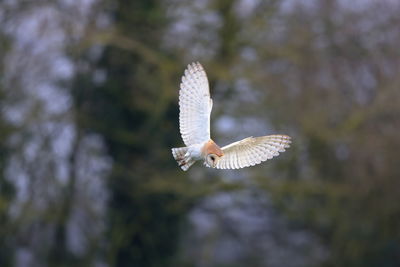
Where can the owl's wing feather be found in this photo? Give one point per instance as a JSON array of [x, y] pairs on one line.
[[252, 150], [195, 106]]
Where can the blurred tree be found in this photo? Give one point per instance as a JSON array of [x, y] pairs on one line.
[[45, 220], [335, 80], [131, 108], [7, 189]]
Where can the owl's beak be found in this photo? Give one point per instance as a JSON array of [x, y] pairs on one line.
[[212, 165], [215, 162]]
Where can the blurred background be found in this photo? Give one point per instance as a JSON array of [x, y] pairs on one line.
[[89, 112]]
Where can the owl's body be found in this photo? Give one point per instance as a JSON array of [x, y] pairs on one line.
[[186, 156], [194, 123]]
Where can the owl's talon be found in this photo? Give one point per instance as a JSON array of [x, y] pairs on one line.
[[181, 164]]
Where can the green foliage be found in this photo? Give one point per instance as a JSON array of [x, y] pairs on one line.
[[7, 190], [143, 225]]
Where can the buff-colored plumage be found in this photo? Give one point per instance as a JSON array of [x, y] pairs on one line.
[[195, 107]]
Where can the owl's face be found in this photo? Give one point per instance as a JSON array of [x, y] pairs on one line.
[[212, 153], [211, 160]]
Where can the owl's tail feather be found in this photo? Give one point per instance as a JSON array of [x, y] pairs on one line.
[[184, 161]]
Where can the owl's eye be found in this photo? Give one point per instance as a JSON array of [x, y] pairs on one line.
[[211, 160]]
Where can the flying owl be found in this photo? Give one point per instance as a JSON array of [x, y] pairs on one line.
[[195, 106]]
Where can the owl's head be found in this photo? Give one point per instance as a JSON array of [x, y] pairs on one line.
[[212, 153]]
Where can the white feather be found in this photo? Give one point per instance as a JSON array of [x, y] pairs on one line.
[[195, 106], [252, 150]]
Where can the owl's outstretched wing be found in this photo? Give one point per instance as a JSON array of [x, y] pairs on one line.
[[251, 151], [195, 106]]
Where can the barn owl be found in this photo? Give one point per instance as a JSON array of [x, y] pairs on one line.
[[195, 107]]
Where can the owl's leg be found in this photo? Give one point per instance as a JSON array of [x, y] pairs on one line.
[[183, 158]]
